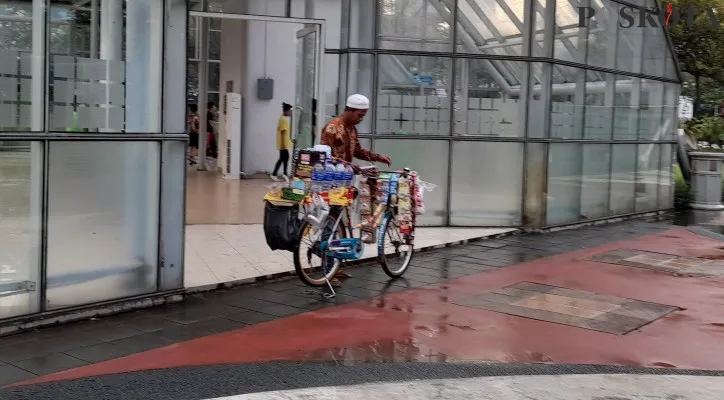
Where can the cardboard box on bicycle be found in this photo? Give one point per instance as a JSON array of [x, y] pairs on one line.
[[305, 160]]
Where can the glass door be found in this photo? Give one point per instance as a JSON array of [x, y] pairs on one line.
[[304, 123]]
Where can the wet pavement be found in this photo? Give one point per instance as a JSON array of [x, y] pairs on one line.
[[521, 299]]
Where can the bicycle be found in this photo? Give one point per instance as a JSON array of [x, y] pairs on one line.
[[338, 244]]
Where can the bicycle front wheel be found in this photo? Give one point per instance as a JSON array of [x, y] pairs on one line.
[[312, 266], [393, 253]]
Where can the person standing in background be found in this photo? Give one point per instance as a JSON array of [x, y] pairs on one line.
[[284, 142], [211, 145], [193, 128]]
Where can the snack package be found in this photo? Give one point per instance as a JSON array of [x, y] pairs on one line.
[[305, 161], [403, 188]]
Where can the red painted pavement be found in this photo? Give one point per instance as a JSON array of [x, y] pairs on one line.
[[414, 324]]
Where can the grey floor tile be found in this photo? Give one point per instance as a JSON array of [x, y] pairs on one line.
[[281, 310], [11, 374], [150, 324], [140, 343], [219, 325], [99, 352], [251, 317], [49, 363]]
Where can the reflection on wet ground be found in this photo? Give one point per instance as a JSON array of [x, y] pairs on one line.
[[435, 314]]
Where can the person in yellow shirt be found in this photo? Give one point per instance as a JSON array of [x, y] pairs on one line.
[[284, 141]]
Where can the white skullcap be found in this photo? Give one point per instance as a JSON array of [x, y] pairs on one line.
[[358, 102]]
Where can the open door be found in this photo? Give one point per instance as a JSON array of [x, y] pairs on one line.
[[304, 124]]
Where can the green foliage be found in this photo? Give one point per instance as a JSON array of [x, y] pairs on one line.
[[709, 129], [700, 50]]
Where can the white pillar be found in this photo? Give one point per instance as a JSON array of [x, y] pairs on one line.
[[144, 40], [37, 123]]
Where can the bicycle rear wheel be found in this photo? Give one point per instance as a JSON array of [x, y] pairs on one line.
[[393, 253], [312, 267]]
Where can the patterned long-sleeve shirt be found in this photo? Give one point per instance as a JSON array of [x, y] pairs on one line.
[[343, 141]]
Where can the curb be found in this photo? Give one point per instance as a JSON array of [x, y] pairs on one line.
[[355, 263]]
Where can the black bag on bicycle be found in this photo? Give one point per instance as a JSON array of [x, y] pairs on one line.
[[281, 226]]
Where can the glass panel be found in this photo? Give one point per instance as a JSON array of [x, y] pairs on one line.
[[214, 76], [192, 81], [22, 69], [595, 180], [539, 100], [597, 123], [626, 108], [331, 80], [485, 107], [413, 96], [567, 106], [650, 122], [630, 47], [360, 80], [485, 27], [647, 177], [669, 114], [623, 174], [20, 207], [564, 183], [110, 82], [429, 159], [570, 40], [655, 47], [487, 184], [422, 25], [214, 43], [666, 177], [603, 28], [102, 201]]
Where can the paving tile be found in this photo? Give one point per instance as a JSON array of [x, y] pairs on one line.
[[614, 323], [604, 298], [533, 287], [99, 352], [49, 363], [524, 312], [497, 298], [517, 294], [249, 303], [577, 294], [251, 317], [11, 374], [44, 346], [644, 310], [492, 244], [281, 310], [149, 324], [547, 298], [593, 305], [218, 325], [140, 343]]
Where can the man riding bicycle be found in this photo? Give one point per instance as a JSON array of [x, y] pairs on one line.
[[340, 134]]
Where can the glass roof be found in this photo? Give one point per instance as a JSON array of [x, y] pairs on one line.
[[496, 26]]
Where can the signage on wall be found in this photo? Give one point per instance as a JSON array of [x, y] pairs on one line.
[[686, 108], [423, 79]]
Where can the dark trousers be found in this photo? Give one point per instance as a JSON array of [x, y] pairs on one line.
[[283, 159]]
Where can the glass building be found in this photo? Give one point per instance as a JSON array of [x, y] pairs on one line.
[[522, 112]]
